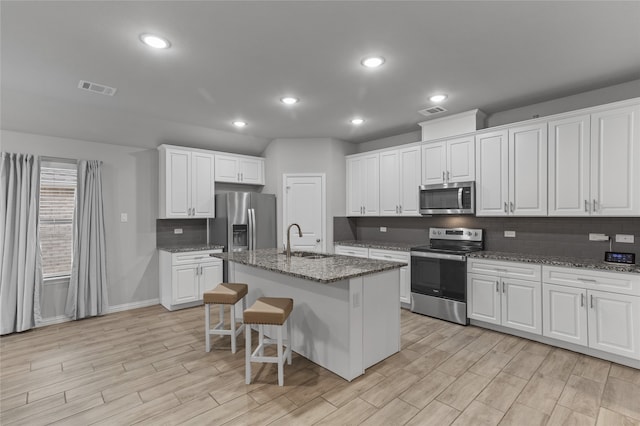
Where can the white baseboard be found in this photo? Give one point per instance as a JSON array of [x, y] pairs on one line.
[[111, 309], [133, 305], [53, 320]]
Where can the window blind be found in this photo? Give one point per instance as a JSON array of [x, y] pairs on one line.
[[57, 204]]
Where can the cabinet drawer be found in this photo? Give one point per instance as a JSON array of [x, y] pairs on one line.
[[616, 282], [352, 251], [525, 271], [396, 256], [193, 257]]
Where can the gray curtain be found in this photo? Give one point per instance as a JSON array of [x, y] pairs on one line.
[[20, 261], [87, 294]]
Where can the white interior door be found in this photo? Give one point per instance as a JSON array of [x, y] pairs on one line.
[[304, 204]]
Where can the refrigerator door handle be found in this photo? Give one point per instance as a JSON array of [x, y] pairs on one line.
[[249, 230], [255, 233]]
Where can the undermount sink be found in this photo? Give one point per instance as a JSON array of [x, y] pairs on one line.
[[308, 254]]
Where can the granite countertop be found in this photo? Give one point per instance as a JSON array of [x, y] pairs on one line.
[[200, 247], [326, 270], [382, 245], [571, 262]]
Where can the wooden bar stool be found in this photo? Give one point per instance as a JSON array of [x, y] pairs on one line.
[[268, 311], [224, 294]]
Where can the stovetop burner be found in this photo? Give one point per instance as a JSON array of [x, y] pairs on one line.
[[458, 241]]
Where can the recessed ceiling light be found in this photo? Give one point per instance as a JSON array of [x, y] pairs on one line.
[[155, 41], [438, 98], [289, 100], [372, 61], [357, 121], [239, 123]]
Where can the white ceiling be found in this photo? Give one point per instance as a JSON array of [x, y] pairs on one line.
[[235, 59]]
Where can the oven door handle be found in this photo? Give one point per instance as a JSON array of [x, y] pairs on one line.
[[456, 257]]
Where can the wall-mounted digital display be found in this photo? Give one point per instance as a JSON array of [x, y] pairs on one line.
[[616, 257]]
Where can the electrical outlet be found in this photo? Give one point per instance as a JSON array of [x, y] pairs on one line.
[[177, 230], [622, 238], [123, 217], [383, 229], [598, 237], [509, 234]]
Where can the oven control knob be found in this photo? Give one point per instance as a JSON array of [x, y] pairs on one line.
[[469, 233], [439, 232]]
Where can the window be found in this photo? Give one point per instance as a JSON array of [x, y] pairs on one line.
[[58, 183]]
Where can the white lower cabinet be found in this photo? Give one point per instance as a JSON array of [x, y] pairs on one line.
[[185, 276], [405, 271], [509, 302], [576, 309], [391, 255]]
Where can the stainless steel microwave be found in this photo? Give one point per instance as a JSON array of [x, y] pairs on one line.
[[448, 198]]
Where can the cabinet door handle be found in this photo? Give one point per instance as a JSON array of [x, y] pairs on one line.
[[497, 287], [595, 205], [443, 179], [242, 177], [397, 209], [400, 209], [586, 280], [447, 176], [582, 300], [591, 301], [586, 206], [503, 288], [511, 206], [505, 207]]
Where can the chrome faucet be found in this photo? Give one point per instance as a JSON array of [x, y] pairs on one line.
[[288, 252]]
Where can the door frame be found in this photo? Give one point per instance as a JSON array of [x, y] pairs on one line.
[[323, 206]]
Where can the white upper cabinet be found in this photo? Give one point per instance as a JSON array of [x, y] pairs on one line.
[[434, 163], [239, 169], [448, 161], [399, 181], [615, 162], [593, 164], [492, 177], [389, 183], [410, 170], [511, 174], [186, 183], [569, 167], [528, 170], [363, 185]]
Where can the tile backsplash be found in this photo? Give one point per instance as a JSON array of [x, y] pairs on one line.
[[194, 232], [556, 236]]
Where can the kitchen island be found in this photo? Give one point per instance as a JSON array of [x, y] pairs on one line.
[[346, 312]]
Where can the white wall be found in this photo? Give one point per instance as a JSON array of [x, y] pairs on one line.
[[130, 184], [309, 156], [618, 92], [391, 141]]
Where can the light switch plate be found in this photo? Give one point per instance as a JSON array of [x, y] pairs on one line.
[[622, 238], [123, 217], [383, 229], [510, 234], [177, 230], [598, 237]]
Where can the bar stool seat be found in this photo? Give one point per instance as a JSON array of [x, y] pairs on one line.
[[272, 311], [224, 294]]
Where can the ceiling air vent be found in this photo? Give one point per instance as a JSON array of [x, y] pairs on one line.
[[432, 110], [97, 88]]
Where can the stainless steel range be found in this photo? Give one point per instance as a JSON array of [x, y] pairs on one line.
[[439, 273]]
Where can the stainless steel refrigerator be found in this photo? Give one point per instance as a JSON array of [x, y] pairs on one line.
[[244, 221]]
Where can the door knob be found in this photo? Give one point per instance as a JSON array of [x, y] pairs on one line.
[[318, 240]]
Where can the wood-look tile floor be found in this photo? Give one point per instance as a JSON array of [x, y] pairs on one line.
[[148, 366]]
